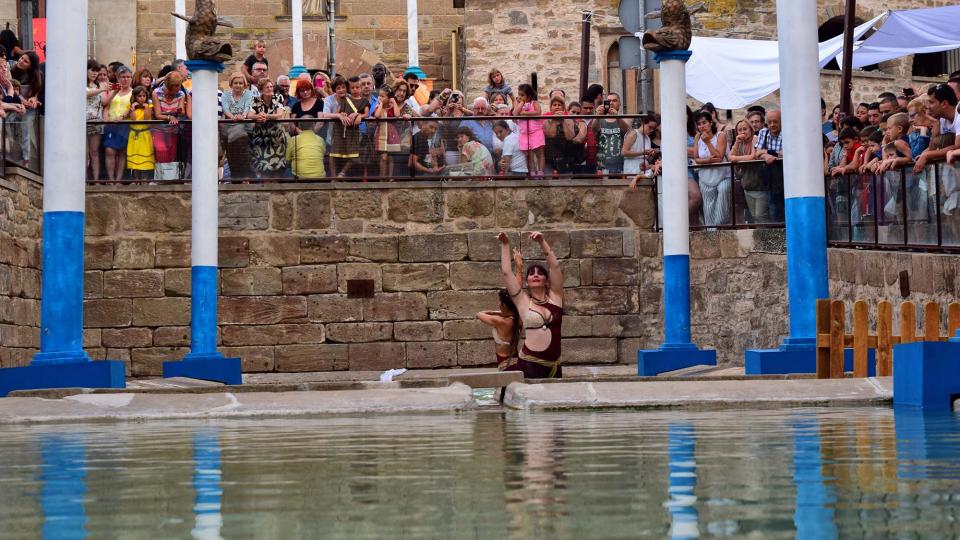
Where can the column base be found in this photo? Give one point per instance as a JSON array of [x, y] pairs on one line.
[[206, 367], [671, 357], [925, 375], [782, 361], [296, 71], [797, 356], [82, 374]]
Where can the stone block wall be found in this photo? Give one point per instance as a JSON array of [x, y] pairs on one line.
[[874, 276], [287, 253], [21, 212]]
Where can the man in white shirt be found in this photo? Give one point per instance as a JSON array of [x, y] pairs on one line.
[[512, 161], [943, 105]]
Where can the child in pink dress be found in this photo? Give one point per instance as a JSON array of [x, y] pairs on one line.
[[532, 140]]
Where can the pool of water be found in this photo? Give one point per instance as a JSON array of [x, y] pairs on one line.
[[808, 473]]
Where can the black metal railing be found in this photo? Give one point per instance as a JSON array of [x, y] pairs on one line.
[[380, 150], [899, 209]]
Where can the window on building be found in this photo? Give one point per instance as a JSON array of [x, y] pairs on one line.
[[614, 73], [313, 9], [936, 64]]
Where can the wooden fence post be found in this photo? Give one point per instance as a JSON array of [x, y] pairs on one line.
[[884, 338], [908, 322], [837, 334], [953, 319], [861, 317], [931, 321], [823, 328]]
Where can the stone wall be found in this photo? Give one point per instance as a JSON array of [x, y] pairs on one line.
[[875, 275], [20, 216], [374, 30]]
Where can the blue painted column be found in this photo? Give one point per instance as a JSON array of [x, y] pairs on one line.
[[813, 515], [204, 361], [806, 218], [62, 361], [682, 465], [207, 484], [678, 350]]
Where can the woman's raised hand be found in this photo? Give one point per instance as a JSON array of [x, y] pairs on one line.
[[503, 238], [537, 237]]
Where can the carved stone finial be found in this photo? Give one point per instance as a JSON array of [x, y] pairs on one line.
[[200, 40], [676, 32]]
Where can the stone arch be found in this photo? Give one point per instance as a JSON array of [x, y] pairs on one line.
[[613, 72]]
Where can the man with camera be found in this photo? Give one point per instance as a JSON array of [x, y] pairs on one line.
[[610, 133]]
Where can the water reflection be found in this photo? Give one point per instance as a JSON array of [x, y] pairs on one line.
[[63, 485], [802, 473], [814, 514], [206, 484], [681, 453]]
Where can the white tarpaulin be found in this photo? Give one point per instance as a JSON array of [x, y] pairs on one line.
[[914, 31], [733, 73]]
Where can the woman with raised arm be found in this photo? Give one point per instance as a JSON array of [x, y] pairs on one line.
[[541, 310]]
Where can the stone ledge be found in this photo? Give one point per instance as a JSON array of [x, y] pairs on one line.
[[706, 393], [392, 186], [387, 398]]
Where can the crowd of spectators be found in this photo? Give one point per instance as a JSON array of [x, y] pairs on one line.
[[367, 126]]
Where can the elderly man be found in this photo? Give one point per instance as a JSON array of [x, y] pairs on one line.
[[482, 129], [770, 145], [258, 71], [283, 87]]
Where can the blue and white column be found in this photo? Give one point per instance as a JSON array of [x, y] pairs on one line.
[[62, 361], [678, 350], [807, 278], [204, 361], [180, 29], [296, 17]]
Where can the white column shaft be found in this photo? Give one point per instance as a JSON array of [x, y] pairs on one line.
[[673, 108], [800, 98], [65, 121], [204, 186], [180, 29], [413, 46], [296, 12]]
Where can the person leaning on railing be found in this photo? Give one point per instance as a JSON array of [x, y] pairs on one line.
[[268, 139], [422, 158], [750, 175]]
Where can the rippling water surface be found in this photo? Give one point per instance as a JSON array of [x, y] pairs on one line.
[[808, 473]]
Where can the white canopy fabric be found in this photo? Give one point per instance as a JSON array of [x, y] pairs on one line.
[[733, 73], [908, 32]]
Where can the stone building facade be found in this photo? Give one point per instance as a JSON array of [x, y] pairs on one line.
[[521, 37]]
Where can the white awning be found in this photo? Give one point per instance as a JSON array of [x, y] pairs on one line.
[[914, 31]]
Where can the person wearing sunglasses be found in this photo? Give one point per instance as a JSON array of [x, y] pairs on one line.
[[540, 307]]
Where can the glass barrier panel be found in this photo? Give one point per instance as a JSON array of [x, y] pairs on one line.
[[862, 201], [838, 208], [949, 203], [890, 212], [920, 190]]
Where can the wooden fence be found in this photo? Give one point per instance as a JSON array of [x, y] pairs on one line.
[[832, 338]]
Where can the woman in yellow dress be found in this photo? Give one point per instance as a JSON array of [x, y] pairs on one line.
[[140, 143]]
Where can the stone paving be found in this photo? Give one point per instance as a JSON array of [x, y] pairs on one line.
[[433, 391]]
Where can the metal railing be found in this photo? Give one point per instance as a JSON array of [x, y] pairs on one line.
[[898, 209], [382, 150], [731, 195], [21, 142]]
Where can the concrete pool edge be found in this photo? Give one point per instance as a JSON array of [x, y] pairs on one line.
[[706, 393], [139, 407]]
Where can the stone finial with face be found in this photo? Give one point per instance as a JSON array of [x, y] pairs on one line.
[[200, 40]]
